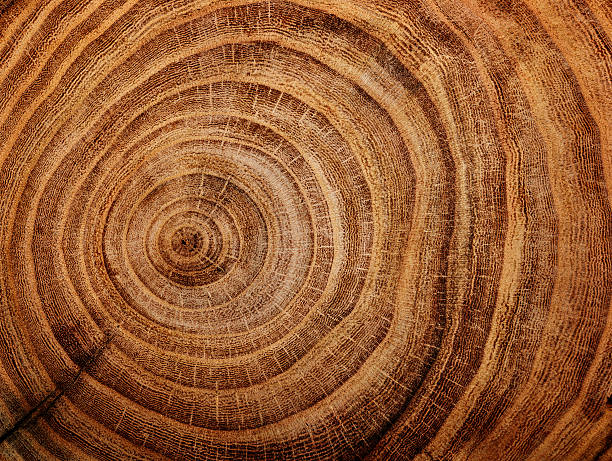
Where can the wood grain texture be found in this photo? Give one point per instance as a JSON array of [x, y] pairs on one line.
[[307, 229]]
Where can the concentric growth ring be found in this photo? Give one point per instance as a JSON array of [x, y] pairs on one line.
[[305, 229]]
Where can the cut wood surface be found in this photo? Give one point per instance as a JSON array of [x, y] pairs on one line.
[[309, 229]]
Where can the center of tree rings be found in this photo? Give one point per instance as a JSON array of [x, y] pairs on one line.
[[187, 241]]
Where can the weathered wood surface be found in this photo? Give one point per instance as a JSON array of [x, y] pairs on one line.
[[318, 229]]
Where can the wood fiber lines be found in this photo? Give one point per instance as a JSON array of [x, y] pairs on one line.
[[313, 230]]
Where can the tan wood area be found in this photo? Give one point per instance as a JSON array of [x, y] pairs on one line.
[[307, 229]]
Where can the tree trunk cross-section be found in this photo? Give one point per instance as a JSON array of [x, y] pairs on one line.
[[306, 229]]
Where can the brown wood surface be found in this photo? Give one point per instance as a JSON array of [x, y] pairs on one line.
[[317, 229]]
